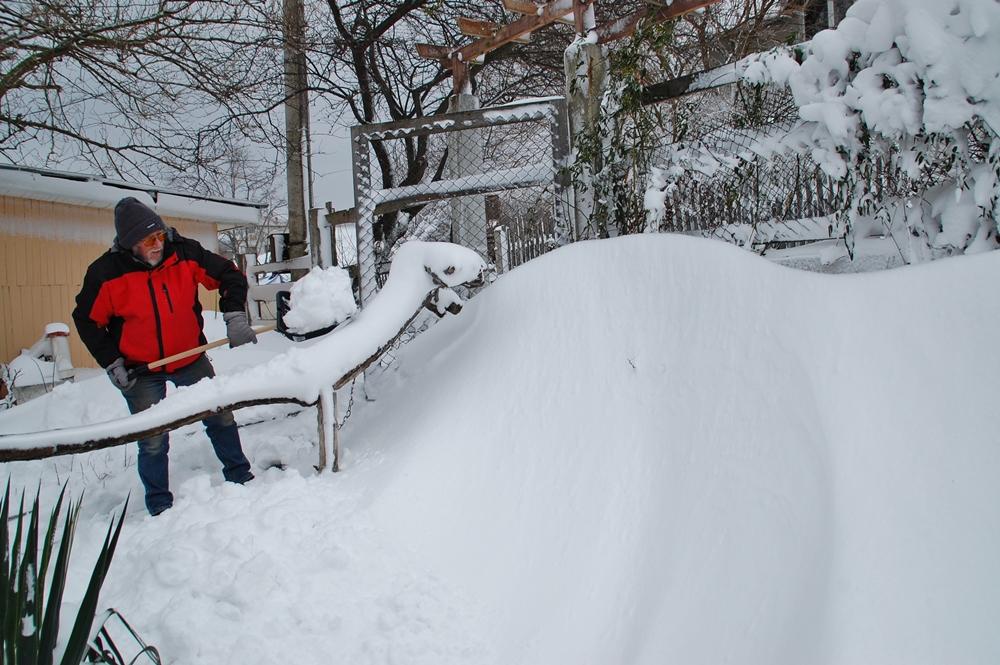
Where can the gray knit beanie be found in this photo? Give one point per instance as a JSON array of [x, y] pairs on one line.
[[134, 221]]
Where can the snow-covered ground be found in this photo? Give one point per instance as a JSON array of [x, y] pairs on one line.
[[648, 449]]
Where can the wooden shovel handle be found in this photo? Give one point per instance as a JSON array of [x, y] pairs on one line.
[[205, 347]]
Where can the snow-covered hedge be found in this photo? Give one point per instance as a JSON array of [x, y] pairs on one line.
[[911, 87], [918, 83]]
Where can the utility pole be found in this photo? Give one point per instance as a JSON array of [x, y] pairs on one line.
[[296, 118]]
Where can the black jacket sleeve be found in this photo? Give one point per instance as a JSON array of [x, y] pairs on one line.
[[220, 273], [101, 341]]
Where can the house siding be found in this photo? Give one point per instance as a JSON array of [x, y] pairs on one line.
[[45, 248]]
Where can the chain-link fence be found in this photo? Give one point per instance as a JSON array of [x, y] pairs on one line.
[[728, 182], [725, 184], [493, 180]]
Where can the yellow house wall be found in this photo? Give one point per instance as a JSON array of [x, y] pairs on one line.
[[45, 249]]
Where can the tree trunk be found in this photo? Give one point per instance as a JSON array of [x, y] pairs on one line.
[[296, 108]]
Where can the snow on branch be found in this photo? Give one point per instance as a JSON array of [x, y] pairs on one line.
[[913, 81], [913, 85], [421, 275]]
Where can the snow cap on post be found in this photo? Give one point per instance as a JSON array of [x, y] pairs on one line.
[[134, 220]]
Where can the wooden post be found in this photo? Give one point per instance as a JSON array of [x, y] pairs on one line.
[[334, 219], [327, 417], [316, 245], [336, 435], [586, 78], [580, 17], [461, 82], [296, 108]]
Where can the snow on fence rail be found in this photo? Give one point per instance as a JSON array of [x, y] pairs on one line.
[[422, 275], [513, 178]]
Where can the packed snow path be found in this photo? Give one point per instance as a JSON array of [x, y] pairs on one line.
[[652, 449]]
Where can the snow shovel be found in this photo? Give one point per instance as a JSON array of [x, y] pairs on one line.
[[283, 302], [200, 349], [283, 306]]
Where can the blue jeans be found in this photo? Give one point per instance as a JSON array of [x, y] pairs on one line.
[[150, 388]]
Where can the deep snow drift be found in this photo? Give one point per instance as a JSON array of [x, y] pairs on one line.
[[650, 449]]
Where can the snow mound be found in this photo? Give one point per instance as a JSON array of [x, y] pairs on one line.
[[661, 449], [650, 449], [320, 299]]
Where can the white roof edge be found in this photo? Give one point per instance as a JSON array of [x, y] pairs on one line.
[[99, 192]]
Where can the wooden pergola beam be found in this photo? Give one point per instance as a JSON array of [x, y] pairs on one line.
[[461, 57], [508, 33], [471, 27], [521, 7], [492, 36], [434, 52], [461, 82], [531, 9]]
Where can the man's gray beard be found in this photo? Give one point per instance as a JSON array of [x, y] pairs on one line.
[[139, 256]]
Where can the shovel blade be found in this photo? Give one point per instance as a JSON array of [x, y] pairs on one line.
[[283, 305]]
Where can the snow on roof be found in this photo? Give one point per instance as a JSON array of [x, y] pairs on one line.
[[99, 192]]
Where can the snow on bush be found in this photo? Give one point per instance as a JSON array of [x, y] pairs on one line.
[[917, 81], [915, 84]]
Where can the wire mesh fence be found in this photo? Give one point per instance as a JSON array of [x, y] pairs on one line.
[[729, 182], [724, 182], [493, 180]]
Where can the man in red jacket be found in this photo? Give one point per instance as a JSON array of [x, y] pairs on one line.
[[139, 304]]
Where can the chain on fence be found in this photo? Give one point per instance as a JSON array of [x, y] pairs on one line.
[[492, 180]]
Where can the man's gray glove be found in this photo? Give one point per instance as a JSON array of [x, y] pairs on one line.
[[119, 375], [238, 329]]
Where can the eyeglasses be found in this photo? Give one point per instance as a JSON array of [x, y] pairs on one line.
[[149, 241]]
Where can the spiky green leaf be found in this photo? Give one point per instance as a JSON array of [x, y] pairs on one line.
[[77, 644], [15, 598], [5, 568], [50, 624]]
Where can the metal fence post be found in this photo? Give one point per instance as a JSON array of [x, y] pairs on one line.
[[365, 206], [465, 158], [471, 154]]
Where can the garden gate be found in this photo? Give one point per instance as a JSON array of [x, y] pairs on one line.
[[493, 180]]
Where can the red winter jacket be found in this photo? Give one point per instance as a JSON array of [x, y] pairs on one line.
[[130, 310]]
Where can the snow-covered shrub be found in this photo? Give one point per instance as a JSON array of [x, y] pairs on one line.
[[6, 387], [914, 84]]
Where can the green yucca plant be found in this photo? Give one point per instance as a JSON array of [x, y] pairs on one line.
[[29, 620]]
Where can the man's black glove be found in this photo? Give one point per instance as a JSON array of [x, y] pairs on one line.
[[119, 375], [238, 329]]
